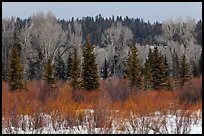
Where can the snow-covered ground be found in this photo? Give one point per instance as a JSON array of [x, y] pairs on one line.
[[154, 123]]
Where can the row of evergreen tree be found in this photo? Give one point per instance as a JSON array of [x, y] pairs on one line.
[[154, 74], [86, 79]]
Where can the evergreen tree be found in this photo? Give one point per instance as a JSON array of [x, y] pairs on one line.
[[133, 70], [49, 73], [147, 76], [200, 64], [175, 65], [89, 68], [15, 68], [157, 68], [40, 66], [3, 73], [105, 70], [31, 70], [75, 72], [195, 71], [69, 65], [166, 68], [184, 70], [60, 67]]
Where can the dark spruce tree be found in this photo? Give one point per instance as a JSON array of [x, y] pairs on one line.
[[166, 78], [184, 70], [166, 68], [195, 70], [105, 70], [31, 70], [157, 68], [75, 82], [200, 64], [15, 68], [89, 68], [49, 73], [147, 76], [68, 68], [175, 65], [60, 67], [133, 69]]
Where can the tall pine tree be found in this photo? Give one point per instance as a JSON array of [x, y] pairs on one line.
[[68, 68], [133, 70], [105, 70], [15, 68], [184, 70], [147, 76], [157, 68], [89, 68], [166, 68], [60, 67], [195, 70], [175, 64], [75, 72], [49, 73], [200, 64], [31, 70]]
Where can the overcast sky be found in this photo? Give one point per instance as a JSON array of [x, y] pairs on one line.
[[149, 11]]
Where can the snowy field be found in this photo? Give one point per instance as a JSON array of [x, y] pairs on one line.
[[168, 123]]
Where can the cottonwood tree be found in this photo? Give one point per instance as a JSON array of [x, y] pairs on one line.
[[46, 37], [178, 35], [30, 66], [74, 37], [8, 26], [116, 41]]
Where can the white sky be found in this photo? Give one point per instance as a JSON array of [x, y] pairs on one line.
[[149, 11]]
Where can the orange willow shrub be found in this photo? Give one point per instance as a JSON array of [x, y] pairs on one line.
[[145, 102], [108, 98], [86, 96], [191, 92], [118, 89], [62, 102], [19, 102]]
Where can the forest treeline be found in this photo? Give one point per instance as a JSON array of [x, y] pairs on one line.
[[148, 55]]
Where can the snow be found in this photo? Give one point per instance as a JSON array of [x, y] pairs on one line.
[[136, 125]]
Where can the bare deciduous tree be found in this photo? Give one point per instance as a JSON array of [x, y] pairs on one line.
[[8, 26], [117, 40]]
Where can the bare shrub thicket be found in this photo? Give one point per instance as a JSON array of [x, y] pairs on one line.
[[46, 91], [119, 90], [191, 91]]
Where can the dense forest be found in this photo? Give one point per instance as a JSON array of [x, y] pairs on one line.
[[43, 36]]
